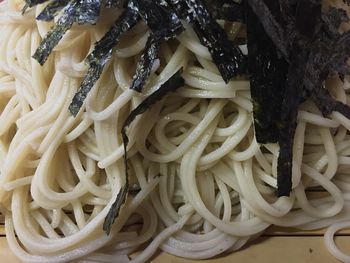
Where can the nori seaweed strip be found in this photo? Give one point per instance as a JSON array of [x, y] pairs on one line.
[[88, 11], [52, 9], [31, 3], [271, 26], [333, 19], [333, 56], [227, 10], [114, 3], [101, 54], [145, 64], [227, 57], [173, 83], [267, 73], [159, 16], [115, 208], [300, 55], [81, 11], [52, 38], [182, 10], [289, 113]]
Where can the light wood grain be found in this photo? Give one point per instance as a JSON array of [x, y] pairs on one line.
[[284, 249], [273, 250], [277, 244]]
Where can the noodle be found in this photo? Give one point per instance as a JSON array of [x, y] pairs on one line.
[[200, 183]]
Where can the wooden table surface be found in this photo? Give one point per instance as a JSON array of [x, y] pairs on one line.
[[275, 246]]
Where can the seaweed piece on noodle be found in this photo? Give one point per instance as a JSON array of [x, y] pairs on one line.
[[101, 54], [228, 58], [173, 83], [333, 19], [227, 10], [52, 9], [52, 38], [289, 112], [81, 11], [159, 16], [310, 12], [145, 64], [88, 11], [31, 3], [181, 9], [271, 26], [267, 73], [114, 3], [115, 208]]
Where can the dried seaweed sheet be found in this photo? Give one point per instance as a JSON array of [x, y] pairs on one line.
[[294, 89], [54, 36], [98, 58], [81, 11], [159, 16], [173, 83], [227, 10], [267, 73], [145, 64], [88, 11], [31, 3], [227, 57], [52, 9], [114, 3], [271, 26]]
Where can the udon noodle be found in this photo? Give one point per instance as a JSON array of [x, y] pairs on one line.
[[200, 183]]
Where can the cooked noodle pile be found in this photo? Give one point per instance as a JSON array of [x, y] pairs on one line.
[[200, 183]]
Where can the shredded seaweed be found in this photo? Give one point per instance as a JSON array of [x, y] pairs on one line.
[[173, 83], [88, 11], [310, 41], [271, 26], [52, 9], [80, 11], [31, 3], [228, 58], [227, 10], [52, 38], [145, 64], [267, 73], [114, 3], [101, 54], [159, 16]]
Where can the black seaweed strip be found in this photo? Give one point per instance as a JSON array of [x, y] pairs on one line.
[[173, 83], [31, 3], [98, 58], [227, 10], [291, 101], [267, 72], [114, 3], [333, 19], [333, 56], [54, 36], [300, 55], [115, 208], [271, 26], [145, 64], [159, 16], [89, 11], [52, 9], [227, 57], [182, 10], [124, 23]]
